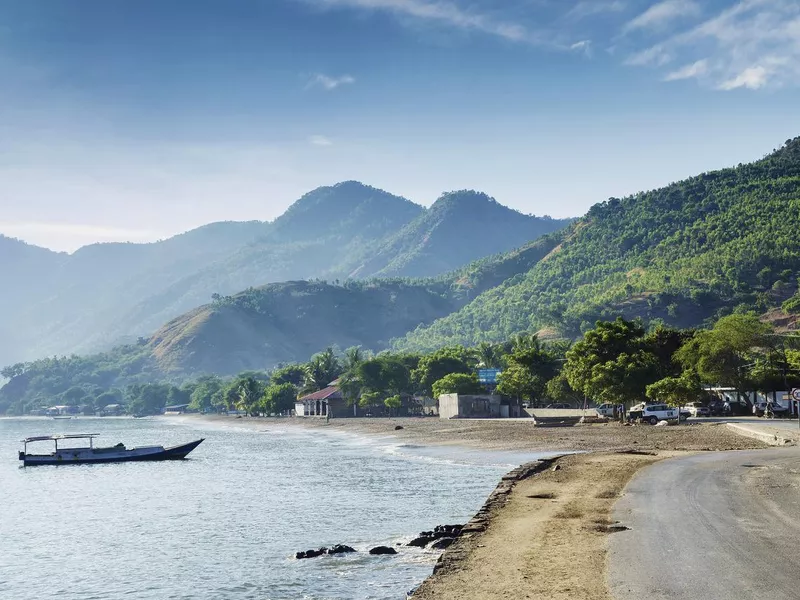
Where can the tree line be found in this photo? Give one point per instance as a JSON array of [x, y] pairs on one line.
[[617, 361]]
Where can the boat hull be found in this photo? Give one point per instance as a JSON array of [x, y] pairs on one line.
[[82, 456]]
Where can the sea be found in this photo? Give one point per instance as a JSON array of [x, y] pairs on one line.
[[226, 523]]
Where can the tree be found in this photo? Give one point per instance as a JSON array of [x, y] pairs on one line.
[[457, 383], [147, 398], [722, 355], [386, 374], [490, 356], [294, 374], [249, 392], [559, 389], [612, 363], [433, 367], [278, 399], [393, 403], [529, 367], [676, 391], [321, 370], [207, 394]]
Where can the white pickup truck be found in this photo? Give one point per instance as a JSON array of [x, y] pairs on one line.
[[653, 413]]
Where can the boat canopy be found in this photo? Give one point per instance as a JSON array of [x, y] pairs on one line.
[[62, 436]]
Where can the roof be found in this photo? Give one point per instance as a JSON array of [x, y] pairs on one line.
[[62, 436], [323, 394]]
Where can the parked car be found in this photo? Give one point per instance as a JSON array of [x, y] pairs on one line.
[[561, 405], [760, 408], [653, 413], [697, 409], [605, 410]]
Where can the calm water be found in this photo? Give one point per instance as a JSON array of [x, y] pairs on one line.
[[227, 522]]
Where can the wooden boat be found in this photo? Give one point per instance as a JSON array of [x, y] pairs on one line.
[[90, 454]]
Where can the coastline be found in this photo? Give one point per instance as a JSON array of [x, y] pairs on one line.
[[543, 531], [503, 435]]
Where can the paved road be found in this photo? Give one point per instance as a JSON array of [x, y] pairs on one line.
[[713, 526]]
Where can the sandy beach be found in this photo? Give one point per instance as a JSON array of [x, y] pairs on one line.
[[516, 435], [547, 537]]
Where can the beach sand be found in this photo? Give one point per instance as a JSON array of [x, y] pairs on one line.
[[516, 435], [546, 538]]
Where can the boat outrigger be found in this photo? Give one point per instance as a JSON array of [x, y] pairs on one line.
[[90, 454]]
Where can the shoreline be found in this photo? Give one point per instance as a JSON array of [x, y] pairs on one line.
[[542, 532], [502, 435]]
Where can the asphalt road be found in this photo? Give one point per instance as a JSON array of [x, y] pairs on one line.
[[712, 526]]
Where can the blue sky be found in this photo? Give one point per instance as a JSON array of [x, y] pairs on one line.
[[138, 119]]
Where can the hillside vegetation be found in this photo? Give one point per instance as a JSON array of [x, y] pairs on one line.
[[105, 294], [686, 254], [459, 228]]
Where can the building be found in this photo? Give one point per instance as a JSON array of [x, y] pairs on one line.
[[326, 402], [459, 406], [112, 410]]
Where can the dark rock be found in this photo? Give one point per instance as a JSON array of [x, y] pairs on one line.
[[341, 549], [443, 543], [311, 553], [398, 427], [421, 541], [383, 550]]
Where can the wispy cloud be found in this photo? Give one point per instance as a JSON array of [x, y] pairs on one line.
[[329, 83], [591, 8], [696, 69], [584, 46], [752, 78], [662, 14], [320, 140], [751, 44], [448, 13]]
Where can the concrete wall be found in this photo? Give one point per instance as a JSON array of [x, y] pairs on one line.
[[458, 406], [554, 413]]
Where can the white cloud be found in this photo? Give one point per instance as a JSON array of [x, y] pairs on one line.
[[752, 78], [591, 8], [447, 13], [655, 55], [696, 69], [584, 46], [320, 140], [751, 44], [662, 13], [329, 83]]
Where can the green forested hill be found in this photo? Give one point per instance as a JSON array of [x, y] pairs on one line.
[[684, 253], [460, 227], [287, 322]]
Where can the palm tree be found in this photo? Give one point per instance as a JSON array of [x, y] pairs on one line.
[[321, 370], [489, 356], [526, 341]]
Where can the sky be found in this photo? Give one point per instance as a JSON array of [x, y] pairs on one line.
[[134, 120]]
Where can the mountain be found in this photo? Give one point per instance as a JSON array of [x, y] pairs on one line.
[[686, 253], [105, 294], [460, 227], [286, 322]]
